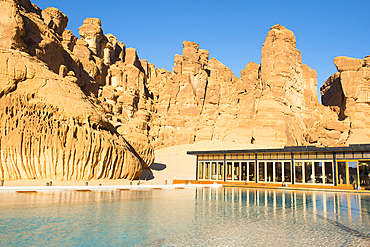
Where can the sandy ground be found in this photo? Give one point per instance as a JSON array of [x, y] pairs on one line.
[[173, 162], [170, 163]]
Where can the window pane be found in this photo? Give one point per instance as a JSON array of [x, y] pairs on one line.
[[308, 172], [236, 171], [287, 175], [340, 155], [280, 156], [220, 170], [244, 171], [342, 176], [318, 172], [206, 172], [278, 171], [304, 155], [329, 155], [251, 172], [261, 171], [352, 168], [214, 171], [357, 155], [200, 170], [321, 155], [348, 155], [366, 154], [328, 173], [298, 172], [228, 170], [364, 167], [270, 172]]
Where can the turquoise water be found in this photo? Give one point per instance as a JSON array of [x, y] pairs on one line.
[[190, 217]]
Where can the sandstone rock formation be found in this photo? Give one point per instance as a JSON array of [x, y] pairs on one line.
[[273, 104], [347, 92], [11, 26], [89, 107], [49, 127]]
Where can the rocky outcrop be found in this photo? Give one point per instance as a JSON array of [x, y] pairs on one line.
[[50, 130], [11, 26], [89, 107], [49, 125], [347, 92], [272, 104]]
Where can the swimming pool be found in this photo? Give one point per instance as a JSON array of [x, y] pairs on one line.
[[187, 217]]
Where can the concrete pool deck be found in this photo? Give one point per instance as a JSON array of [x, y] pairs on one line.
[[345, 189], [35, 189], [177, 184]]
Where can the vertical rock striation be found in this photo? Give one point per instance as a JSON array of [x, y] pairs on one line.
[[83, 108], [347, 93]]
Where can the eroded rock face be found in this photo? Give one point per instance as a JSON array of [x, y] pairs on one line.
[[55, 19], [91, 108], [92, 33], [50, 130], [347, 92], [281, 67], [49, 127], [11, 26]]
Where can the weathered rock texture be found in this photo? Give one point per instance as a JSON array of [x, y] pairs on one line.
[[49, 126], [82, 108], [274, 103], [347, 92]]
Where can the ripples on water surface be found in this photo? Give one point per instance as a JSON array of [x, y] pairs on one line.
[[190, 217]]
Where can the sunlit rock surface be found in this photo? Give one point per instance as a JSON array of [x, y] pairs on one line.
[[89, 107], [347, 92]]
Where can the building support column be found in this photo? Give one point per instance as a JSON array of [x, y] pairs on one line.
[[334, 169], [255, 168], [292, 170], [224, 167], [196, 169]]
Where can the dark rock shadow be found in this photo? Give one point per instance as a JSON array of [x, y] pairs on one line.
[[147, 174], [158, 166]]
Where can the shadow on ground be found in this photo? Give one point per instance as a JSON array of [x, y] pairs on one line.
[[158, 166], [148, 174]]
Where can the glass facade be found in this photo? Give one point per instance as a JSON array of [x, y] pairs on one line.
[[318, 168]]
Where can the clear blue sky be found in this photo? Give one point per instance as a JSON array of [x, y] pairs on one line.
[[232, 31]]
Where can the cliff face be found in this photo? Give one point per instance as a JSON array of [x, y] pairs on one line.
[[82, 108], [347, 93], [49, 127], [273, 104]]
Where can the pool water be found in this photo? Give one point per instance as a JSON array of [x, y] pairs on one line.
[[189, 217]]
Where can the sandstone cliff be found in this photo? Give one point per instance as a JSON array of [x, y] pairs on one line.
[[82, 108], [272, 104], [49, 127], [347, 93]]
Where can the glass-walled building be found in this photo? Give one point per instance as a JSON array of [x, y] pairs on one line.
[[306, 165]]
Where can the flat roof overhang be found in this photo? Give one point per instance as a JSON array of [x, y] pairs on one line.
[[292, 149]]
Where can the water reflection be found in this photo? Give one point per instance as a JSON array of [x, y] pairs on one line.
[[190, 217], [278, 203]]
